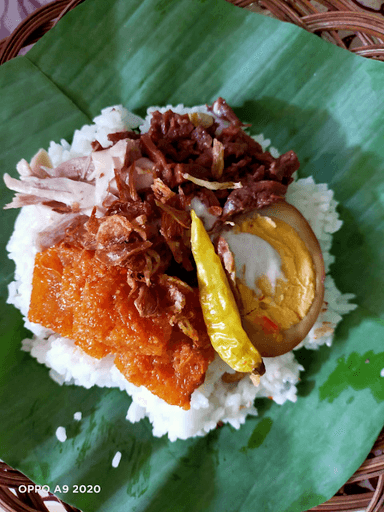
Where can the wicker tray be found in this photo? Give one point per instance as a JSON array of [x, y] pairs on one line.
[[346, 23]]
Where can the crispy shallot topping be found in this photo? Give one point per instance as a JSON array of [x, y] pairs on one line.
[[218, 159], [55, 233], [228, 262], [212, 185], [147, 302]]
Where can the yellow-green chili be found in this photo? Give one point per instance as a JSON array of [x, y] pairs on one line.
[[220, 311]]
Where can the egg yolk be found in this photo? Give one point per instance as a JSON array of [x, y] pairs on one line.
[[275, 273]]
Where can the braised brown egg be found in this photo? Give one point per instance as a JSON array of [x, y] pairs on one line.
[[278, 276]]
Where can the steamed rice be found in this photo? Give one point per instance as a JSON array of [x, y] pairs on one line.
[[215, 400]]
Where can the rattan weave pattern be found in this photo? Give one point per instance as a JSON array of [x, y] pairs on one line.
[[346, 23], [34, 26]]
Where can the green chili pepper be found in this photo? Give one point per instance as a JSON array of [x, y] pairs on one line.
[[220, 311]]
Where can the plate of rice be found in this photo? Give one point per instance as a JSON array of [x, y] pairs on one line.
[[76, 410], [51, 215]]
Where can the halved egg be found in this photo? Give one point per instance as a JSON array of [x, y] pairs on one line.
[[280, 275]]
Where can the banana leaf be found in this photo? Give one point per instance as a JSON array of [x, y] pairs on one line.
[[304, 94]]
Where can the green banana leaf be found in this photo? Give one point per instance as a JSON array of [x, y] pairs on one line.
[[304, 94]]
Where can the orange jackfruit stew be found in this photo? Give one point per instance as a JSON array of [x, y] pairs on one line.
[[79, 297]]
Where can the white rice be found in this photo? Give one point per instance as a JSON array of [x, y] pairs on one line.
[[61, 434], [214, 401], [116, 460]]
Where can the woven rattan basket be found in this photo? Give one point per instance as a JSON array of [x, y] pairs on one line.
[[346, 23]]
